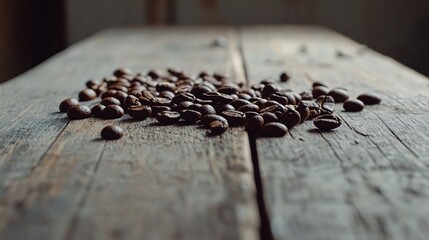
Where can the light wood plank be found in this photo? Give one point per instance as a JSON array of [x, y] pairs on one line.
[[366, 180]]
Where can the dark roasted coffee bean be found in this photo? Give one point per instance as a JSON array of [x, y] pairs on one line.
[[319, 91], [190, 116], [118, 88], [181, 97], [110, 101], [269, 117], [250, 114], [207, 119], [97, 110], [269, 89], [272, 108], [228, 89], [260, 102], [175, 71], [217, 97], [304, 111], [218, 127], [122, 71], [235, 118], [158, 109], [244, 96], [239, 102], [284, 77], [306, 95], [199, 90], [66, 104], [291, 100], [78, 112], [278, 97], [369, 98], [353, 105], [220, 108], [87, 94], [159, 101], [144, 101], [165, 86], [249, 108], [196, 107], [168, 117], [112, 112], [291, 118], [274, 129], [131, 101], [339, 94], [267, 81], [167, 94], [313, 107], [317, 84], [140, 112], [112, 133], [326, 103], [183, 105], [207, 109], [254, 124], [108, 93], [219, 76], [121, 96], [327, 122], [92, 84], [147, 94]]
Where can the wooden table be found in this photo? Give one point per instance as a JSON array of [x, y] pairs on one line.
[[367, 180]]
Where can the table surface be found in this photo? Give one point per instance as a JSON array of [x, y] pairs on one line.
[[367, 180]]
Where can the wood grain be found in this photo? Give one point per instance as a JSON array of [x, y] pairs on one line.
[[60, 181], [366, 180]]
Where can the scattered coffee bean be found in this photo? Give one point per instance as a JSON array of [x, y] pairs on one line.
[[235, 118], [326, 103], [249, 108], [158, 109], [339, 94], [87, 94], [327, 122], [250, 114], [207, 109], [207, 119], [319, 91], [353, 105], [318, 84], [167, 117], [304, 111], [284, 77], [140, 112], [190, 116], [291, 118], [274, 129], [110, 101], [66, 104], [97, 110], [112, 133], [254, 124], [369, 98], [269, 117], [78, 112], [218, 127], [221, 108], [112, 112]]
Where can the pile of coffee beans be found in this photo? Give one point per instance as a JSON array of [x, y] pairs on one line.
[[211, 100]]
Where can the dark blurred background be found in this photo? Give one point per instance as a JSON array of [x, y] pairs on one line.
[[33, 30]]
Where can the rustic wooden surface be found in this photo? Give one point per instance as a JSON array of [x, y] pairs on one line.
[[366, 180]]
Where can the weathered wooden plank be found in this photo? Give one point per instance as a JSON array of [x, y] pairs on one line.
[[157, 182], [366, 180]]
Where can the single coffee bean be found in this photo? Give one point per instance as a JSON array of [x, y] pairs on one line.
[[290, 98], [140, 112], [291, 118], [274, 129], [317, 84], [279, 97], [326, 103], [369, 98], [66, 104], [168, 117], [235, 118], [207, 109], [154, 73], [110, 101], [190, 116], [250, 114], [92, 84], [207, 119], [158, 109], [304, 111], [319, 91], [220, 108], [167, 94], [217, 97], [122, 71], [249, 108], [87, 94], [353, 105], [218, 127], [229, 89], [108, 93], [339, 94], [112, 132], [254, 124], [313, 107], [159, 101], [327, 122], [306, 95], [112, 112], [131, 101], [78, 112], [119, 88], [181, 97], [165, 86], [284, 77], [184, 105], [297, 97], [239, 103], [97, 110], [121, 96], [269, 89], [269, 117], [199, 90], [196, 107]]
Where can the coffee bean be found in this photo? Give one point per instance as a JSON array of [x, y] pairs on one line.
[[108, 93], [165, 86], [97, 110], [327, 122], [369, 98], [203, 102], [167, 117], [184, 105], [181, 97], [92, 84], [190, 116], [112, 112], [159, 101], [274, 129], [313, 107], [235, 118], [121, 96], [228, 89], [167, 94], [154, 73], [87, 94], [279, 97], [317, 84], [353, 105], [66, 104], [269, 89], [207, 109], [254, 124], [218, 127], [140, 112], [304, 111], [110, 101], [220, 108], [158, 109], [239, 103], [217, 97], [306, 95], [249, 108], [269, 117], [339, 94], [207, 119], [319, 91], [290, 98], [326, 103], [291, 118], [284, 77], [112, 133], [78, 112], [132, 101], [122, 71], [196, 107], [250, 114]]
